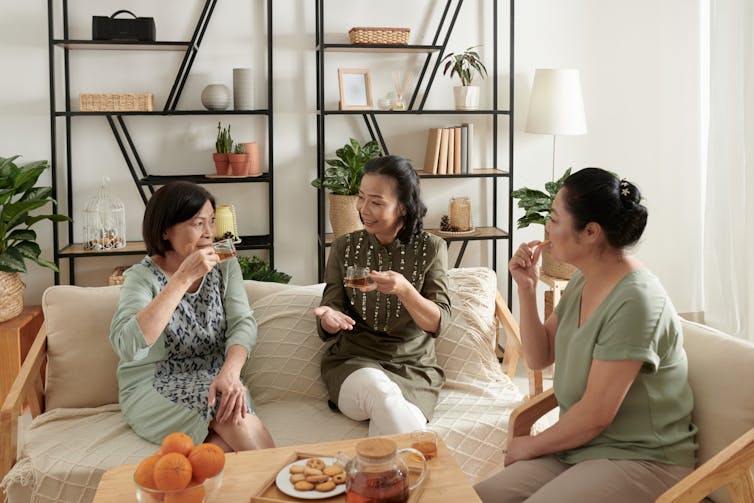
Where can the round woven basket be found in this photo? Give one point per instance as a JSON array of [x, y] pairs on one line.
[[11, 295], [344, 217], [554, 268]]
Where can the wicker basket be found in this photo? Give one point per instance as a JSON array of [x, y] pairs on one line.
[[344, 217], [116, 277], [388, 36], [129, 102], [11, 295]]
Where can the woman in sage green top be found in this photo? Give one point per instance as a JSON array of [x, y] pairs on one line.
[[381, 365], [625, 432]]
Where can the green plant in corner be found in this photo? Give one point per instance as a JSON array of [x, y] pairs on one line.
[[224, 142], [259, 270], [343, 175], [18, 197], [464, 64], [537, 204], [239, 149]]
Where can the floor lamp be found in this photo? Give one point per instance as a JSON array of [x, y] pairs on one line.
[[556, 106]]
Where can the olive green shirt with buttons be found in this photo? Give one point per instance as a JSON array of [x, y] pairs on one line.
[[385, 336], [636, 321]]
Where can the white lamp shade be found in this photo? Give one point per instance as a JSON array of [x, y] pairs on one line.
[[556, 106]]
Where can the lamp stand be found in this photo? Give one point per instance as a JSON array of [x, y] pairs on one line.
[[553, 156]]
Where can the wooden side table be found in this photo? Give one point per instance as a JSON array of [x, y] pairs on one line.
[[552, 296], [16, 337]]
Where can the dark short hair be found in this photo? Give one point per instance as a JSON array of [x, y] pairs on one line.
[[408, 192], [172, 204], [596, 195]]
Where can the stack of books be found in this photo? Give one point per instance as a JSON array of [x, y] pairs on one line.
[[449, 150]]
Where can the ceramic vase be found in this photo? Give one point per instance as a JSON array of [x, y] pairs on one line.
[[243, 89], [467, 97], [216, 97]]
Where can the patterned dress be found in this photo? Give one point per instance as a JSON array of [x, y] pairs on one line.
[[385, 336], [164, 387]]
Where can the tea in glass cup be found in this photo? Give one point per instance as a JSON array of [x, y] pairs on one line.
[[225, 249], [356, 277], [425, 441]]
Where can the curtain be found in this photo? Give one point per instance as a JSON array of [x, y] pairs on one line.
[[728, 261]]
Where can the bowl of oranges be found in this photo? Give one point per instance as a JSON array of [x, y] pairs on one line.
[[180, 472]]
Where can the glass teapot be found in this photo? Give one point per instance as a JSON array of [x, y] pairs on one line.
[[377, 474]]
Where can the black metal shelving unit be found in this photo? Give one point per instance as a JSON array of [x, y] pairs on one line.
[[59, 49], [434, 54]]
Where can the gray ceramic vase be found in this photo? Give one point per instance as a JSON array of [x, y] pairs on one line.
[[216, 97]]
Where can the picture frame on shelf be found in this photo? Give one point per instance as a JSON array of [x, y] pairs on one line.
[[355, 89]]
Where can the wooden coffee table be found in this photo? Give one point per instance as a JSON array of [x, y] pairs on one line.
[[249, 476]]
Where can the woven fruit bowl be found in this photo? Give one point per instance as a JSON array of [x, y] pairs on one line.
[[196, 492]]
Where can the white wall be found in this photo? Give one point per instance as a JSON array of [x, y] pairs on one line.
[[639, 69]]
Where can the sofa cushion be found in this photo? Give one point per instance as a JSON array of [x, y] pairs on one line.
[[721, 375], [81, 364]]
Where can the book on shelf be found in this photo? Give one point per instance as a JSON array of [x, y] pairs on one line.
[[442, 162], [451, 149], [470, 158], [464, 148], [457, 152], [433, 150]]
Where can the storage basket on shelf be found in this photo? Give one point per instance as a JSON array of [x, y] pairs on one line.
[[391, 36], [104, 221], [114, 102]]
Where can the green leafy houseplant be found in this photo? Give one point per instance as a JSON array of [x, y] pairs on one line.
[[537, 204], [18, 197], [224, 142], [343, 175], [259, 270], [464, 64]]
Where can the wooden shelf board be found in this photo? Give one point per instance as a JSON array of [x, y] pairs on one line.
[[138, 247], [203, 179], [416, 112], [168, 112], [476, 173], [481, 234], [404, 49], [122, 45]]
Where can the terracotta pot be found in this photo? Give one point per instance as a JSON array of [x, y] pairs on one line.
[[222, 163], [11, 295], [344, 217], [255, 168], [239, 164], [554, 268]]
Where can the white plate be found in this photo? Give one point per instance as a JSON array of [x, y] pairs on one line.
[[283, 481]]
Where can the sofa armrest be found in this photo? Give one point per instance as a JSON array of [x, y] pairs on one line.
[[526, 414], [27, 386], [514, 347], [731, 467]]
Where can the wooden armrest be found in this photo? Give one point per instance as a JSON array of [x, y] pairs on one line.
[[731, 467], [27, 386], [514, 347], [526, 414]]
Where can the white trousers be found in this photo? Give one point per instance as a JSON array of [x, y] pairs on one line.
[[370, 394]]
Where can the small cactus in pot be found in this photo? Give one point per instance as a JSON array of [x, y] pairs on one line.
[[223, 146], [240, 161]]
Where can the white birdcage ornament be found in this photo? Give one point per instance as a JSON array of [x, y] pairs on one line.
[[104, 221]]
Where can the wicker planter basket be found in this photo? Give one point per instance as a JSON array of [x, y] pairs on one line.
[[344, 217], [11, 295], [129, 102], [389, 36], [553, 268]]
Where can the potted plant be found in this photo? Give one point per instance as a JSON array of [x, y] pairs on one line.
[[259, 270], [240, 161], [223, 146], [343, 177], [465, 64], [537, 205], [18, 242]]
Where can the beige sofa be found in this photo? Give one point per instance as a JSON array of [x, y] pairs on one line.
[[81, 432]]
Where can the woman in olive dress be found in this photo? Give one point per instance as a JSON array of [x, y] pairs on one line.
[[382, 365]]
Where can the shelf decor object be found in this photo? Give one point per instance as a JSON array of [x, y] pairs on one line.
[[254, 168], [243, 89], [383, 36], [104, 219], [116, 102], [355, 89], [464, 65], [460, 213], [226, 225], [556, 106], [215, 97], [140, 29]]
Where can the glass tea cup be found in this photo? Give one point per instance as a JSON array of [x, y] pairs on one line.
[[425, 441], [356, 277], [225, 249]]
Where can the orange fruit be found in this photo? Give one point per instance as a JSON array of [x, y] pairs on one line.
[[207, 460], [172, 471], [177, 442], [144, 475], [193, 494]]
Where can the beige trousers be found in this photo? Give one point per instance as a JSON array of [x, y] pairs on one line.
[[548, 480]]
